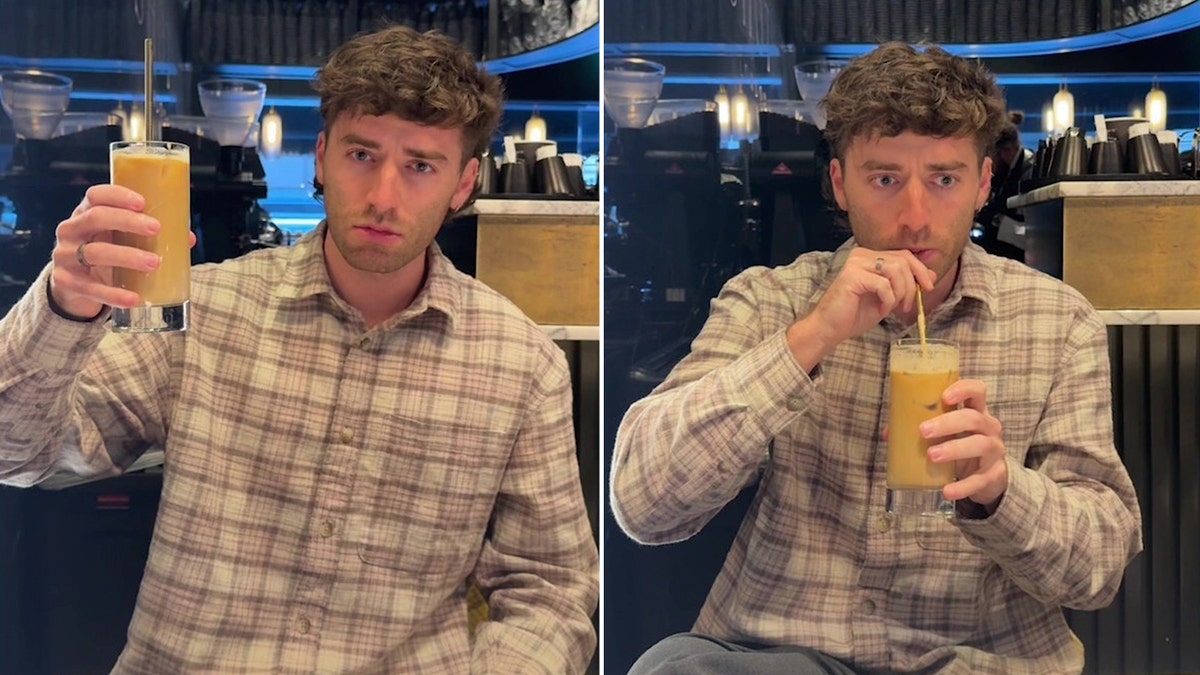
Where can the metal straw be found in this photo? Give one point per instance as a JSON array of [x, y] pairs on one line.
[[148, 85]]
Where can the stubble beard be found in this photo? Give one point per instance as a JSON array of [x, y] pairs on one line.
[[368, 257]]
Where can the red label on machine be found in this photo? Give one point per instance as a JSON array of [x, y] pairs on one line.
[[674, 169], [112, 502], [781, 170]]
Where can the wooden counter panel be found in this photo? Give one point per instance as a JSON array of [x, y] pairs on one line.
[[1133, 252], [548, 265]]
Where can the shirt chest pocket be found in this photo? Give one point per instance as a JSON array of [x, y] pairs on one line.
[[422, 502], [1018, 420]]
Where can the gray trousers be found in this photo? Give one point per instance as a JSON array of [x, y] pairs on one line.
[[693, 654]]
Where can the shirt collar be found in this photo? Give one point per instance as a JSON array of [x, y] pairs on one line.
[[306, 276], [976, 280]]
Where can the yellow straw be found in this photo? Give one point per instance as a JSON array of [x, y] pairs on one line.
[[148, 85], [921, 320]]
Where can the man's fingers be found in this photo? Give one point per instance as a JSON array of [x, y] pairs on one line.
[[94, 290], [116, 196]]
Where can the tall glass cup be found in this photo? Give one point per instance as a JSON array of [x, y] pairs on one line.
[[918, 375], [160, 171]]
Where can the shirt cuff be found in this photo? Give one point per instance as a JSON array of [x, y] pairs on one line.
[[776, 388], [1006, 532], [54, 307]]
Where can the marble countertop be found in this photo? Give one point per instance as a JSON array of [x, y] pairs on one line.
[[580, 333], [1150, 317], [533, 207], [1112, 188]]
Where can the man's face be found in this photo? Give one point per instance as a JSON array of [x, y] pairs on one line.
[[389, 184], [913, 192]]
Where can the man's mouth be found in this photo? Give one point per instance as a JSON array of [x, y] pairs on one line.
[[377, 234], [925, 255]]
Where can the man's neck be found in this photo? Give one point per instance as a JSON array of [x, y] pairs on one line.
[[378, 297]]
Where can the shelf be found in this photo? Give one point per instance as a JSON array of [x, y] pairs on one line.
[[1183, 18], [74, 65], [582, 44], [1180, 19]]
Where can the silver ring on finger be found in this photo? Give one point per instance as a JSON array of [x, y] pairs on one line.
[[878, 265], [81, 256]]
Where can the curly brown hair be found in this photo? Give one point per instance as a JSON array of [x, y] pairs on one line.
[[426, 78], [897, 88]]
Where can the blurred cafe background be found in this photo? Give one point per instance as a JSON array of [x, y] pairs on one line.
[[71, 74], [713, 163]]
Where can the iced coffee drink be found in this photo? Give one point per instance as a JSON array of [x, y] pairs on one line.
[[160, 172], [918, 374]]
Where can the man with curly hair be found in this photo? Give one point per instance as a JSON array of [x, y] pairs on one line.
[[357, 435], [786, 386]]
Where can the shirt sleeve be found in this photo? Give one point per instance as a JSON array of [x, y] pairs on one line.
[[72, 400], [1069, 522], [539, 566], [686, 450]]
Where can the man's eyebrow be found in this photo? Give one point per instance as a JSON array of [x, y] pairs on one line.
[[872, 165], [355, 139], [431, 155], [947, 167]]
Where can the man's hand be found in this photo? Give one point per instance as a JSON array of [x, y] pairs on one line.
[[83, 290], [970, 437], [870, 286]]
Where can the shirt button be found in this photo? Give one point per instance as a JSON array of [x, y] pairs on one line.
[[303, 625], [347, 435], [868, 607], [883, 524], [364, 343], [326, 529], [795, 403]]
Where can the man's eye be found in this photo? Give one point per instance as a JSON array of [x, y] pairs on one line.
[[423, 167], [885, 181], [360, 155], [946, 181]]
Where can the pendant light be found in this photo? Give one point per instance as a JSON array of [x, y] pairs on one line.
[[1064, 109], [535, 128], [722, 100], [1048, 118], [137, 123], [272, 133], [1156, 107], [739, 114]]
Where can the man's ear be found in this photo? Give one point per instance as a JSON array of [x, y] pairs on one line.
[[320, 161], [838, 182], [985, 183]]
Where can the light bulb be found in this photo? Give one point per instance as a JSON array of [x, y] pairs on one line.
[[535, 128], [137, 123], [272, 133], [739, 114], [1048, 118], [1064, 110], [722, 100], [1156, 108]]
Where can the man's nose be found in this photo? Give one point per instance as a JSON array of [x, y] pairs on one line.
[[915, 211], [384, 191]]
